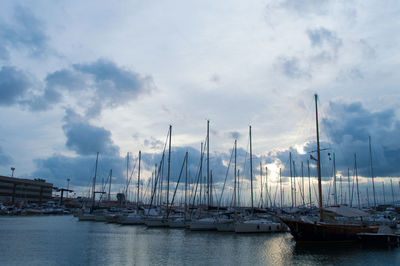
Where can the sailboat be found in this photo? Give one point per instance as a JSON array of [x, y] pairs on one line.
[[305, 229], [85, 216]]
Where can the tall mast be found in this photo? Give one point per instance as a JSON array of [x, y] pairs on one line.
[[391, 186], [234, 188], [318, 161], [309, 181], [334, 180], [291, 179], [358, 191], [169, 163], [138, 182], [341, 189], [94, 183], [267, 195], [280, 185], [238, 186], [383, 191], [372, 169], [186, 183], [109, 187], [251, 170], [261, 186], [211, 188], [294, 184], [348, 181], [302, 183], [208, 163], [127, 177]]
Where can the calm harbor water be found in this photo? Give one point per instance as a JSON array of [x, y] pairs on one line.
[[62, 240]]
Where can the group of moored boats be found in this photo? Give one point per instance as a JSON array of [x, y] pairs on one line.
[[227, 221]]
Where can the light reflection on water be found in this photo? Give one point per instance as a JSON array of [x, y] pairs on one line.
[[62, 240]]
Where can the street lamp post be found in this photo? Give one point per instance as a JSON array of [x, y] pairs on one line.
[[68, 186]]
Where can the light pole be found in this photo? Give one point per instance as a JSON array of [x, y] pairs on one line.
[[12, 171], [68, 186]]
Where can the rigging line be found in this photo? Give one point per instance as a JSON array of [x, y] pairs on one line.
[[177, 184], [198, 176], [226, 176], [130, 178], [198, 171], [158, 172]]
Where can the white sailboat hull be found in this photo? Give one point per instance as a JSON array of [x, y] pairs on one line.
[[257, 227]]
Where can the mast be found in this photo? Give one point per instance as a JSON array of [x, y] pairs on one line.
[[186, 183], [318, 161], [348, 180], [309, 181], [341, 189], [261, 186], [94, 183], [267, 195], [302, 183], [138, 183], [358, 191], [372, 169], [238, 186], [294, 184], [383, 190], [334, 180], [280, 185], [391, 186], [169, 163], [234, 188], [251, 170], [127, 177], [211, 188], [109, 187], [208, 163], [201, 171], [291, 178]]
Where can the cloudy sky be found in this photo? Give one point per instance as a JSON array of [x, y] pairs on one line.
[[78, 78]]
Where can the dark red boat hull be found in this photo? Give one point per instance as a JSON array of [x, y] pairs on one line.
[[312, 232]]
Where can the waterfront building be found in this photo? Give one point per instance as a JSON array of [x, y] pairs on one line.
[[19, 189]]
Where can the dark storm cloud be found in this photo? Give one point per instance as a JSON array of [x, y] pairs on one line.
[[80, 170], [348, 126], [26, 33], [103, 83], [5, 159], [13, 85], [114, 85], [86, 139]]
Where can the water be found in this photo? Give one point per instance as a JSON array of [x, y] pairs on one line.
[[62, 240]]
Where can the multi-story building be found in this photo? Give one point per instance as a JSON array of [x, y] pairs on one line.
[[18, 189]]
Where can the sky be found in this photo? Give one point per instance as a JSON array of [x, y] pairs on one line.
[[77, 78]]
